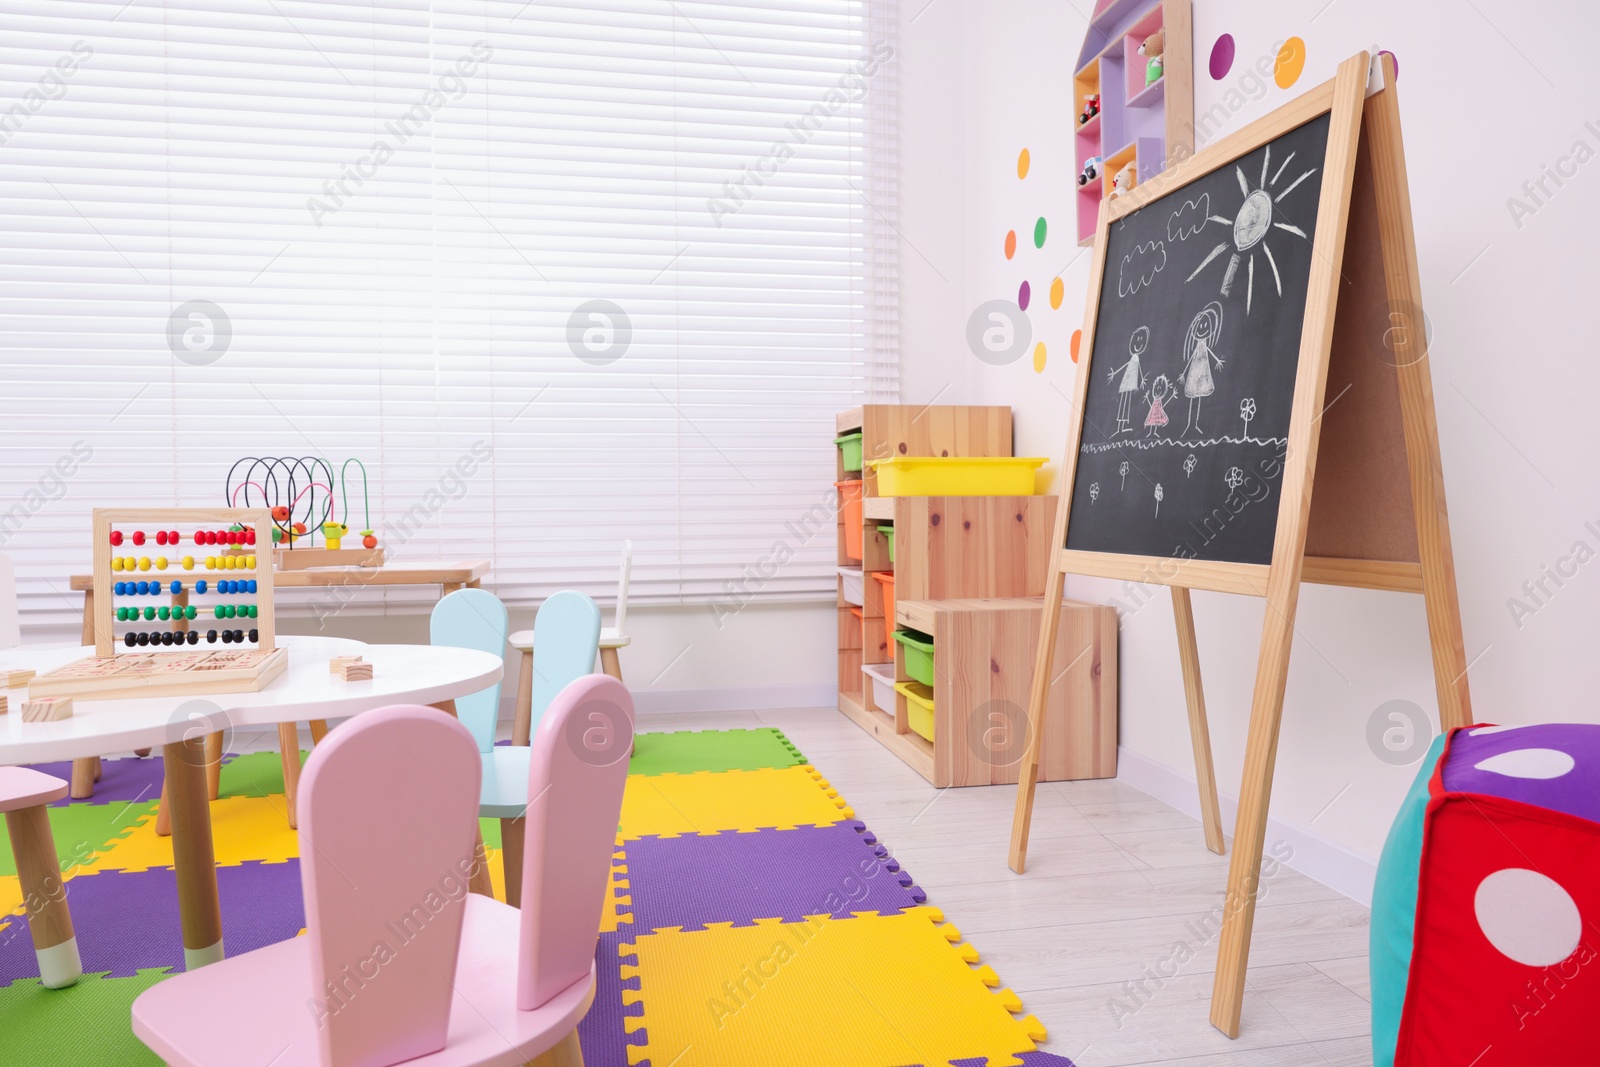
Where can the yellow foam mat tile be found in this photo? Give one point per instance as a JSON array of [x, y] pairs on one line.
[[619, 904], [242, 828], [868, 991], [709, 802], [10, 895]]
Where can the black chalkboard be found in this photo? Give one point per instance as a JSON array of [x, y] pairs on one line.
[[1192, 372]]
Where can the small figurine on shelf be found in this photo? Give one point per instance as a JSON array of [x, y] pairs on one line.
[[1091, 170], [332, 534], [1123, 180], [1152, 49], [1091, 108]]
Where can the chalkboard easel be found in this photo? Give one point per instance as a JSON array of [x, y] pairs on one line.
[[1236, 323]]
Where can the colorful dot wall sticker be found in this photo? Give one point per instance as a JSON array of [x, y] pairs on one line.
[[1077, 340], [1022, 164], [1057, 290], [1011, 243], [1038, 357], [1039, 229], [1291, 61], [1024, 295], [1222, 57]]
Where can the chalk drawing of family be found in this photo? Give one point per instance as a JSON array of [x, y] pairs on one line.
[[1199, 353]]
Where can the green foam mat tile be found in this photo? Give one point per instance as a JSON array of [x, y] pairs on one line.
[[689, 751], [82, 831], [255, 774], [86, 1025]]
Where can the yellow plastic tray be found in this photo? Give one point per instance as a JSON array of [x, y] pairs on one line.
[[919, 707], [956, 475]]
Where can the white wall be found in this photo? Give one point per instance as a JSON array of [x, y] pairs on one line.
[[1484, 107]]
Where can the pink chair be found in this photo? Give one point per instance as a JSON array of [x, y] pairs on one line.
[[24, 792], [400, 962]]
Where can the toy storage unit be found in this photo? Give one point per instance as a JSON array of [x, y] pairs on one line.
[[1146, 125], [967, 565]]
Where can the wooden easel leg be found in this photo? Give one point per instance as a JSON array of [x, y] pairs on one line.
[[512, 832], [1199, 729], [1038, 696], [480, 882], [44, 896], [193, 858], [566, 1054], [289, 753]]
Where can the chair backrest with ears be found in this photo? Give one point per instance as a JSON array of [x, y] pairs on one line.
[[566, 639], [473, 618], [10, 625], [619, 622], [387, 809], [576, 774]]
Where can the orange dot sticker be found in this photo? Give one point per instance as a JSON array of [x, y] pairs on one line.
[[1038, 357], [1022, 164], [1290, 63], [1011, 244], [1057, 290], [1077, 340]]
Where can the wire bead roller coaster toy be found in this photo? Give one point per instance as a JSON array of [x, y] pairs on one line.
[[299, 496], [133, 658]]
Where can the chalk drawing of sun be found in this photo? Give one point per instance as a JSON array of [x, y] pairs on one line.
[[1251, 225]]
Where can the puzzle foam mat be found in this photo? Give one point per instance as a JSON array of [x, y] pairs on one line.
[[752, 921]]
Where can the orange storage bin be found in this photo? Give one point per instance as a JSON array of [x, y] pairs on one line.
[[886, 579], [850, 508]]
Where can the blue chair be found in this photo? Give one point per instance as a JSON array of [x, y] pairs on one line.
[[567, 635]]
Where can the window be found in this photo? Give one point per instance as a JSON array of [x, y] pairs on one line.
[[559, 274]]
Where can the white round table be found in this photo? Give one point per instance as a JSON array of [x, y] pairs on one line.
[[402, 674]]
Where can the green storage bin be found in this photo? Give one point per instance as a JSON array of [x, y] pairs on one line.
[[850, 445], [888, 533], [919, 654]]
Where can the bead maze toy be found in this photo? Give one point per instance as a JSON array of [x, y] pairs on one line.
[[170, 660], [298, 492]]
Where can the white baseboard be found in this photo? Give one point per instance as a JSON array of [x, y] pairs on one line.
[[1315, 856], [735, 698]]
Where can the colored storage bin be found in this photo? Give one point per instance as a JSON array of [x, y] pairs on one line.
[[854, 583], [919, 707], [956, 475], [888, 535], [886, 579], [918, 654], [850, 508], [850, 450], [881, 678]]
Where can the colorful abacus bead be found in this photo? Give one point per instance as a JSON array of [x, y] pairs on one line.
[[200, 586], [211, 636], [161, 537], [129, 639], [138, 537], [176, 587], [163, 613], [255, 636], [116, 563], [116, 537], [188, 563]]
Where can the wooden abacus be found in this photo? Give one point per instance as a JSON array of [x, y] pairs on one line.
[[224, 538]]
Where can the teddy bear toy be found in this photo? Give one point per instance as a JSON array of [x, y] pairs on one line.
[[1091, 170], [1123, 180], [1091, 108], [1152, 49]]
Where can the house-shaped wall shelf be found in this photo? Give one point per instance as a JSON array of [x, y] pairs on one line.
[[1148, 123]]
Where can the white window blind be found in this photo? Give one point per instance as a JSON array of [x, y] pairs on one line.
[[559, 273]]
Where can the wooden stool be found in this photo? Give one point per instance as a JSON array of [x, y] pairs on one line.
[[23, 796]]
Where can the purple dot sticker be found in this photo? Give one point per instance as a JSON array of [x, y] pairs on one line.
[[1222, 57], [1393, 59], [1023, 296]]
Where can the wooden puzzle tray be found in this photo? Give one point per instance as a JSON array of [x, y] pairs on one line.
[[141, 674]]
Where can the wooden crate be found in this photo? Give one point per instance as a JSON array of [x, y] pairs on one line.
[[984, 651], [889, 430], [969, 546]]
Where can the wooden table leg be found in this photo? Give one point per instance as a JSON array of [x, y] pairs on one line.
[[289, 749], [163, 810], [193, 859], [512, 832], [1199, 728], [82, 778], [319, 730], [44, 895], [480, 882], [213, 749], [98, 769], [610, 663], [566, 1054], [522, 720]]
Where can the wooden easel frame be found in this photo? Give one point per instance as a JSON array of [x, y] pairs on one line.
[[1360, 97]]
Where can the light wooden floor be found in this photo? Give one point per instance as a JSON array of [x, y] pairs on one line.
[[1106, 937]]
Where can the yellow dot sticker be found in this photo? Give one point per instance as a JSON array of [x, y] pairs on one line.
[[1038, 357], [1022, 164], [1057, 290], [1290, 63]]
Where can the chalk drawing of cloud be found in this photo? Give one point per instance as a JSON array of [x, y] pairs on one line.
[[1140, 266], [1188, 220]]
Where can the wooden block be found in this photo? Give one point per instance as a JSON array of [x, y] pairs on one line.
[[337, 664], [356, 672], [47, 709], [4, 707], [15, 679]]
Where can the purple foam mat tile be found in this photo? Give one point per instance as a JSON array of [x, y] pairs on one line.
[[602, 1032], [1031, 1059], [126, 921], [121, 780], [768, 874]]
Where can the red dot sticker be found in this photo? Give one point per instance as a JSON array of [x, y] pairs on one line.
[[1222, 57]]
